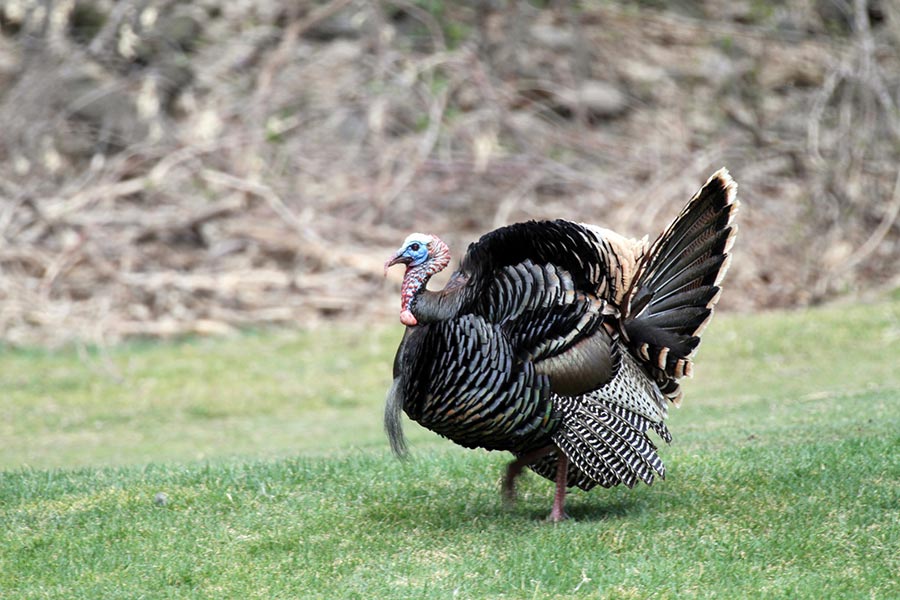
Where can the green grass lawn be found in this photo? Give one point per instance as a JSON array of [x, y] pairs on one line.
[[783, 478]]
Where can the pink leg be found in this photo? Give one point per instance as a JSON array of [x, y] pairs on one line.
[[558, 512], [514, 469]]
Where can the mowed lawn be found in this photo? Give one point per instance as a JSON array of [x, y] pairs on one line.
[[256, 467]]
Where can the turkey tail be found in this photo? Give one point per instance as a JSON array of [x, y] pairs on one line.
[[677, 284]]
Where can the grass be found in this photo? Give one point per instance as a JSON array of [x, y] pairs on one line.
[[270, 394], [783, 479]]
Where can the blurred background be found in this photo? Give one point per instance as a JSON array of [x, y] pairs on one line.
[[184, 167]]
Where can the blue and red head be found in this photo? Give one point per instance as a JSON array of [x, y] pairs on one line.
[[424, 255]]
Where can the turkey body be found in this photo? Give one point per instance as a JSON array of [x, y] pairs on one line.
[[560, 342]]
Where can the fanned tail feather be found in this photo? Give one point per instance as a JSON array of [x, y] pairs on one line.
[[677, 285]]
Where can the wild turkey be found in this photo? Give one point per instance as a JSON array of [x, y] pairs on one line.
[[560, 342]]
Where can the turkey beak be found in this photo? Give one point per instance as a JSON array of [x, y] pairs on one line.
[[396, 259]]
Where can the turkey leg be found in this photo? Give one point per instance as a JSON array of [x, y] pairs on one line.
[[558, 512], [514, 469]]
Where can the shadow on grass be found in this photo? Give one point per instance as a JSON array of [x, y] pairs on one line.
[[444, 513], [427, 493], [598, 509]]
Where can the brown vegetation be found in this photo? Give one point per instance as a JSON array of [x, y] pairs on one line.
[[173, 167]]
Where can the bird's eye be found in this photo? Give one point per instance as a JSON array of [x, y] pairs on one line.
[[414, 247]]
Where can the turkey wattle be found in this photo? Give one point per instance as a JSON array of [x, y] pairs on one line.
[[560, 342]]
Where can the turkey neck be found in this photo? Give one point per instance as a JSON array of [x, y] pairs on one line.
[[425, 305]]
